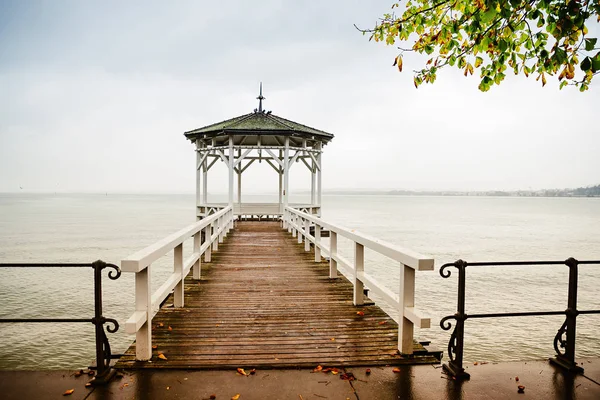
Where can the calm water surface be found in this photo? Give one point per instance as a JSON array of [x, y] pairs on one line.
[[83, 228]]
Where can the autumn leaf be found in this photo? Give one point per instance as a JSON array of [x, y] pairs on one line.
[[212, 396], [368, 371], [162, 356], [396, 370], [88, 384], [382, 322], [68, 392], [319, 368], [399, 63], [361, 313], [242, 372], [160, 324], [154, 347], [169, 328], [236, 397], [252, 371]]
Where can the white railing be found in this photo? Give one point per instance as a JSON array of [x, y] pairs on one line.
[[298, 223], [147, 304]]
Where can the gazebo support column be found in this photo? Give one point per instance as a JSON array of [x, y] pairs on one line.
[[286, 172], [319, 176], [280, 175], [231, 161]]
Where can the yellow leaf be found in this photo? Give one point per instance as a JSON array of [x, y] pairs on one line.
[[162, 356], [543, 80], [242, 372], [396, 370], [478, 62], [236, 397], [399, 62], [68, 392]]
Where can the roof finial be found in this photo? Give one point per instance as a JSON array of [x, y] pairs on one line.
[[260, 98]]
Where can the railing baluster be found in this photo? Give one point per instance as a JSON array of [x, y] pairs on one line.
[[198, 264], [207, 238], [143, 302], [178, 269], [215, 230], [359, 266], [306, 234], [299, 223], [406, 299], [317, 243], [332, 255]]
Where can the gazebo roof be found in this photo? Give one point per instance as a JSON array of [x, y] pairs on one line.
[[258, 123]]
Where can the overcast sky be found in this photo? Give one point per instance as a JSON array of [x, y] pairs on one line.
[[95, 97]]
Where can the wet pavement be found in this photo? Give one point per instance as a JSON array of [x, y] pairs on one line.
[[488, 381]]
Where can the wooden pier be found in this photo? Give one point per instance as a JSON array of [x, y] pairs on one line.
[[264, 302]]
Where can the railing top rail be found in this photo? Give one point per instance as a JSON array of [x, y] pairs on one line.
[[516, 263], [141, 259], [407, 257]]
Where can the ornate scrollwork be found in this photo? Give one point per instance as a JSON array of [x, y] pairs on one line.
[[560, 340], [444, 272], [452, 345], [445, 324], [114, 275], [115, 324]]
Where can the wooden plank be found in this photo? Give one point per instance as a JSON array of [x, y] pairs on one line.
[[263, 302]]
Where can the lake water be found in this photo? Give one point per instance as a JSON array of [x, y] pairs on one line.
[[83, 228]]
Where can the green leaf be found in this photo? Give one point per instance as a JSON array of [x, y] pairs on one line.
[[478, 62], [586, 64], [596, 63], [488, 16], [590, 44]]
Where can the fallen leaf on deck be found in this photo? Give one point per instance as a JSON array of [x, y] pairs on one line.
[[68, 392], [475, 363], [517, 378], [236, 397], [169, 328], [396, 370], [368, 371], [212, 396], [252, 371], [348, 376], [168, 387], [154, 347], [319, 368], [332, 339], [242, 372], [382, 322], [361, 313], [162, 356], [78, 373], [89, 384], [160, 324], [520, 389]]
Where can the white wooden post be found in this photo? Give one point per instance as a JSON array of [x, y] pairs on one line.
[[178, 269], [332, 254], [198, 264], [319, 176], [306, 234], [359, 266], [300, 222], [313, 184], [317, 243], [215, 227], [205, 179], [199, 155], [143, 302], [286, 172], [207, 233], [220, 225], [280, 176], [231, 158], [406, 299]]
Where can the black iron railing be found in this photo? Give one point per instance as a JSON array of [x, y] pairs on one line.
[[103, 353], [564, 339]]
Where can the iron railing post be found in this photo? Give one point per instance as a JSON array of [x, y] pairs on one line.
[[566, 359], [103, 355], [456, 345]]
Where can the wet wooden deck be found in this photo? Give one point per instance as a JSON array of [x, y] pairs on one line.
[[264, 302]]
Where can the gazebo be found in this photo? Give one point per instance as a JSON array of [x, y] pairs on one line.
[[259, 135]]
